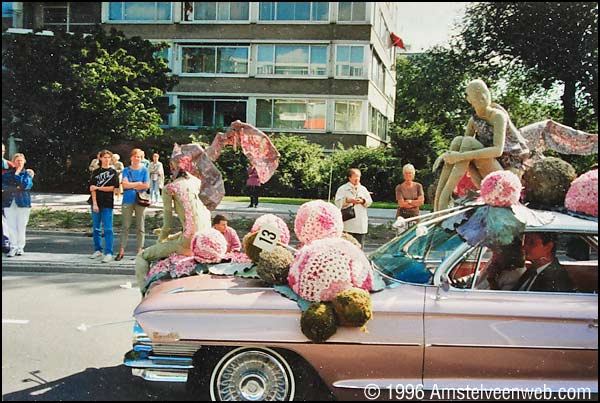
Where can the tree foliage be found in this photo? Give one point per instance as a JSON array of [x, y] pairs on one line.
[[552, 41], [70, 95]]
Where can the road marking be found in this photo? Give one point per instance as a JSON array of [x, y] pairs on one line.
[[15, 321]]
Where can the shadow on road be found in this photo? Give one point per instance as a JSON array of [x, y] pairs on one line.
[[104, 384]]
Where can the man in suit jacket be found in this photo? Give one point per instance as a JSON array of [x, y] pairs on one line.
[[545, 273]]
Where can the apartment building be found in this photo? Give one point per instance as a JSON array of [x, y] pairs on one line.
[[322, 70]]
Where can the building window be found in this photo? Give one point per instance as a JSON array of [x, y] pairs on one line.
[[348, 116], [214, 60], [211, 112], [294, 60], [349, 61], [378, 73], [162, 104], [216, 11], [139, 11], [164, 53], [70, 17], [293, 114], [293, 11], [352, 11], [378, 124]]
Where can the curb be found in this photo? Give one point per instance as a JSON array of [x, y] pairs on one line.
[[31, 268]]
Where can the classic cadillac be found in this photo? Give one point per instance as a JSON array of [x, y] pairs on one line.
[[234, 338]]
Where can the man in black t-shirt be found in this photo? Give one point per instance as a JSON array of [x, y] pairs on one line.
[[102, 184]]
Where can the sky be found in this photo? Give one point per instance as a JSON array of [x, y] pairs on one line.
[[423, 25]]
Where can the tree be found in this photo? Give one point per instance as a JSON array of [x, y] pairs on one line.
[[70, 95], [552, 41]]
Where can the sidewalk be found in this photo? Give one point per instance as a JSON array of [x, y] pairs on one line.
[[80, 263]]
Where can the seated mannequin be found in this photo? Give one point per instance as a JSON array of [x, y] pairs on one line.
[[492, 142]]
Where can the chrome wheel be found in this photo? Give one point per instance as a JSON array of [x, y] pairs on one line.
[[252, 374]]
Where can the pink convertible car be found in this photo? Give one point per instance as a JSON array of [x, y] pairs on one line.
[[433, 327]]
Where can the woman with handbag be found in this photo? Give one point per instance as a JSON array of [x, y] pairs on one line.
[[354, 199], [136, 180]]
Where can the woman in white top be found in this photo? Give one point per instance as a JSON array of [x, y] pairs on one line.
[[355, 194]]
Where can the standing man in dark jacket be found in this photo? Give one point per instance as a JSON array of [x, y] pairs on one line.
[[16, 202]]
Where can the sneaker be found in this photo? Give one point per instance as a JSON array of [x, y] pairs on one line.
[[96, 255], [107, 258], [20, 252], [11, 253]]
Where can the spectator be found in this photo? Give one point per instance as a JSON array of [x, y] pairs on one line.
[[135, 179], [354, 194], [157, 178], [145, 162], [16, 200], [409, 194], [253, 184], [544, 273], [119, 167], [233, 241], [95, 164], [103, 182], [6, 165]]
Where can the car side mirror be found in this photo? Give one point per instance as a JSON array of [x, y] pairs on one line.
[[443, 285]]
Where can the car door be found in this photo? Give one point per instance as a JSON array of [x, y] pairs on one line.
[[513, 339]]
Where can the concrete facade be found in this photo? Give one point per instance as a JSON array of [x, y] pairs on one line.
[[322, 70]]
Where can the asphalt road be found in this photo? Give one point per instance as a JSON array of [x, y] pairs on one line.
[[46, 358]]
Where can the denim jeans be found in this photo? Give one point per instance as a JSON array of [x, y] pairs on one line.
[[154, 191], [103, 218]]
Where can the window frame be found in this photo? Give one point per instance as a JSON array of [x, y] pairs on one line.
[[214, 108], [277, 21], [285, 129], [351, 20], [347, 116], [151, 21], [215, 74], [365, 73], [309, 64], [216, 20], [68, 24]]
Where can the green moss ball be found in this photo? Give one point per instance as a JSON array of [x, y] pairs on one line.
[[273, 267], [547, 182], [353, 307], [318, 322], [252, 251]]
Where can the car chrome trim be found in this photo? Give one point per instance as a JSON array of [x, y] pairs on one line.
[[151, 363], [381, 384], [163, 375], [509, 346], [179, 290]]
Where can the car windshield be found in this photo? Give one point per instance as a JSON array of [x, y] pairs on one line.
[[413, 258]]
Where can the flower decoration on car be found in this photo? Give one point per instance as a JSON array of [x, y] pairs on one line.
[[277, 222], [582, 196], [318, 219], [501, 189], [209, 246], [327, 266]]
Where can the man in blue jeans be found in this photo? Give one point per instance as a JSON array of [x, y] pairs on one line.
[[103, 182]]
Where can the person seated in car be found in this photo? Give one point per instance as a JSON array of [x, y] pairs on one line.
[[504, 269], [544, 273]]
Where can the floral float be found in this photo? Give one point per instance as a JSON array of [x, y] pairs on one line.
[[209, 246], [547, 182], [318, 219], [327, 266], [582, 196], [272, 219]]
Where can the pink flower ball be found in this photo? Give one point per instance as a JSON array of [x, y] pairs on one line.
[[501, 189], [317, 220], [582, 196], [277, 222], [327, 266], [209, 246]]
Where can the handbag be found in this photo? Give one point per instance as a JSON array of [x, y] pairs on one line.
[[348, 213], [142, 199]]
